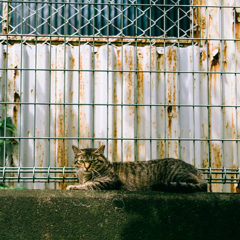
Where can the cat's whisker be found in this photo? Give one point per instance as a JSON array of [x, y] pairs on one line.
[[92, 175], [97, 173]]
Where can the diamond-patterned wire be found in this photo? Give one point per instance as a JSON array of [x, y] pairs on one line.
[[79, 18]]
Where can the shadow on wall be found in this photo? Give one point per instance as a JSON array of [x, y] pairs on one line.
[[179, 215]]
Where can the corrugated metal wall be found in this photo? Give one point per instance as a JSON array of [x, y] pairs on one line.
[[142, 102], [52, 104]]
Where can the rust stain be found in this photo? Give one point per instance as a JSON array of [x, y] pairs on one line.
[[171, 56], [216, 159], [129, 79], [215, 60], [115, 119], [59, 142], [233, 186], [128, 149], [214, 78], [6, 16], [129, 60], [216, 162], [119, 63], [203, 55], [162, 149], [40, 154], [81, 79], [16, 107], [15, 72], [73, 63], [153, 58], [204, 146], [170, 116]]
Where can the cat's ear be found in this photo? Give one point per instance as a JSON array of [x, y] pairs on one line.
[[76, 150], [100, 150]]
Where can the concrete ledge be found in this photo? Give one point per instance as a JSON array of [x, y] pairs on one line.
[[59, 214]]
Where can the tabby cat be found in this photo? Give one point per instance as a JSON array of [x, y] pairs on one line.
[[96, 172]]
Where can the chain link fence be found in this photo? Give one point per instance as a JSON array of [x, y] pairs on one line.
[[118, 18]]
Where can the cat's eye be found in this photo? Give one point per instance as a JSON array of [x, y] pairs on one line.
[[93, 161], [81, 161]]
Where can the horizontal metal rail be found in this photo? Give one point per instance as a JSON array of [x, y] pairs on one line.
[[123, 104], [122, 4], [123, 138], [88, 38], [229, 175], [35, 170], [119, 71]]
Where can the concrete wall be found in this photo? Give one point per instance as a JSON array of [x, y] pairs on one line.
[[59, 214]]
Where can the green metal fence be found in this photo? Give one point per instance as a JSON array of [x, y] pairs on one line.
[[149, 79]]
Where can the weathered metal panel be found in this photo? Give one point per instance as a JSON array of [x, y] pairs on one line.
[[86, 94], [129, 83], [187, 83], [101, 94], [237, 79], [172, 91], [228, 58], [161, 119], [57, 112], [114, 97], [222, 23], [143, 97]]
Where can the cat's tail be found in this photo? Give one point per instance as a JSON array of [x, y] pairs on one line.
[[183, 187]]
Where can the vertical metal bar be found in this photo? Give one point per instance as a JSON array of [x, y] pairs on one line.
[[49, 93], [108, 77], [221, 74], [135, 89], [35, 89], [208, 98], [150, 59], [178, 84], [193, 99], [93, 80], [79, 76], [236, 87], [20, 95], [193, 89], [165, 85], [122, 82], [5, 25], [64, 84]]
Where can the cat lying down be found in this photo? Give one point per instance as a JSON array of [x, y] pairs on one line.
[[96, 172]]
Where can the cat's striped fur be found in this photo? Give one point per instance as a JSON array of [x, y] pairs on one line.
[[96, 172]]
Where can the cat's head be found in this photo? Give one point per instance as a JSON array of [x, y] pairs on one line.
[[89, 161]]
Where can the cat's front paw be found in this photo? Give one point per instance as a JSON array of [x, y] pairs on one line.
[[71, 187]]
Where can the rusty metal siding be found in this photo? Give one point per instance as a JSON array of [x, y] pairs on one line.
[[53, 93], [143, 98], [218, 28]]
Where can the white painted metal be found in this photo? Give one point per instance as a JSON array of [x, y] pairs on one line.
[[83, 121]]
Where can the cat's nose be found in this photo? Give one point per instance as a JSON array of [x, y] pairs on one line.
[[87, 165]]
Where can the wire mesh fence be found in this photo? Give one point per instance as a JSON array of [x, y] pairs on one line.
[[149, 79], [117, 18]]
